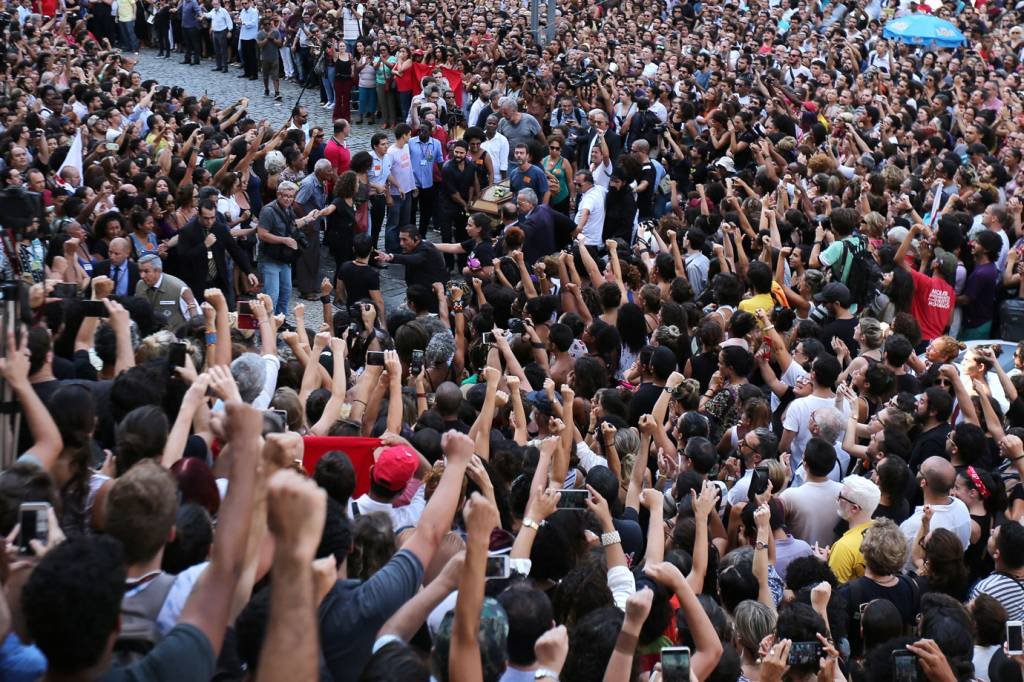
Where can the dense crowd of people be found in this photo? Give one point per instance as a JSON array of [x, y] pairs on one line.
[[722, 382]]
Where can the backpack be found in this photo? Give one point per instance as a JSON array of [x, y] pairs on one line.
[[865, 278], [645, 128], [139, 632]]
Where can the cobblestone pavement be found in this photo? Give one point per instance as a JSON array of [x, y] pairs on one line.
[[227, 88]]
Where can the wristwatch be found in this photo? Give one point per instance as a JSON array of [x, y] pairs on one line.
[[530, 523], [612, 538]]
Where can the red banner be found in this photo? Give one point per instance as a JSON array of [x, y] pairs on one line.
[[453, 77], [359, 451]]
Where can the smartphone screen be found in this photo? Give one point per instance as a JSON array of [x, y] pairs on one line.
[[416, 362], [487, 337], [1015, 637], [904, 666], [94, 309], [758, 481], [176, 356], [573, 498], [497, 566], [804, 653], [375, 357], [246, 322], [675, 664], [34, 522], [245, 308]]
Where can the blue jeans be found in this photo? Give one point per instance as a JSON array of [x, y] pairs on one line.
[[277, 283], [367, 102], [399, 214], [129, 42], [328, 82]]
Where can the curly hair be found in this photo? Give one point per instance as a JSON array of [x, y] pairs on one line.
[[89, 574], [373, 544], [884, 547]]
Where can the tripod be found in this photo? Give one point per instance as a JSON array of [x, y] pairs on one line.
[[305, 80]]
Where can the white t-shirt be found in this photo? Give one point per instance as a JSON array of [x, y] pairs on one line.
[[789, 377], [812, 511], [798, 416], [593, 201], [953, 516]]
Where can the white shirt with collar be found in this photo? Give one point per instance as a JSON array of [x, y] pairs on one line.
[[250, 18], [497, 148], [220, 19]]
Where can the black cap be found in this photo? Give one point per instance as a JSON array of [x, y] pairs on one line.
[[834, 292]]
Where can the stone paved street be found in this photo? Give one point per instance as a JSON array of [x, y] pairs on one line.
[[226, 88]]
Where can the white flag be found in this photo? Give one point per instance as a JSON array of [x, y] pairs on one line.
[[74, 157]]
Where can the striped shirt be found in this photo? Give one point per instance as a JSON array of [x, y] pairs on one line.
[[1005, 589]]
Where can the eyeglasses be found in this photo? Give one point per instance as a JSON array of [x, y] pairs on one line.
[[846, 499], [554, 147]]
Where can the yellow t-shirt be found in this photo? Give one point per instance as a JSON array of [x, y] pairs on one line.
[[846, 560], [763, 301]]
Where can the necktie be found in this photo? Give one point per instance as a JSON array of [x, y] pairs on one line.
[[114, 275]]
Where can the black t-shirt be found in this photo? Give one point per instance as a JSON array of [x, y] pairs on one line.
[[929, 443], [841, 329], [645, 199], [483, 251], [643, 401], [359, 281], [908, 383]]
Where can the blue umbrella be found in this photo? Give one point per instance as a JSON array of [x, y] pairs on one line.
[[924, 29]]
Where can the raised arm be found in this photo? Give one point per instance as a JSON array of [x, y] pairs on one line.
[[296, 510], [481, 517], [209, 603], [47, 443], [708, 646]]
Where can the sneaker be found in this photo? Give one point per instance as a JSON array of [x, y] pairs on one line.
[[278, 98]]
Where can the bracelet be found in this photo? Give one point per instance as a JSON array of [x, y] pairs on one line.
[[211, 338], [325, 299], [538, 346], [421, 395], [1014, 459], [530, 523], [544, 673], [818, 243], [361, 402], [612, 538], [769, 328]]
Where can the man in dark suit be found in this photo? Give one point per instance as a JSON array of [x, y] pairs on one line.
[[598, 130], [121, 271], [424, 264], [545, 229], [202, 240]]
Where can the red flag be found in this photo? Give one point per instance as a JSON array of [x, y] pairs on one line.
[[359, 451], [453, 77]]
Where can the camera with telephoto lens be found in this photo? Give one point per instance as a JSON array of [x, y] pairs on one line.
[[819, 314], [584, 79]]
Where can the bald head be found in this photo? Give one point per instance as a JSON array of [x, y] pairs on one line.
[[939, 475], [119, 250], [447, 399]]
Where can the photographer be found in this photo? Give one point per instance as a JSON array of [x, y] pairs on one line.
[[281, 242]]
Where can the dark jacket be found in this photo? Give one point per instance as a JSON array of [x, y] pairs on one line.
[[104, 268], [611, 138], [423, 265], [546, 231], [190, 262]]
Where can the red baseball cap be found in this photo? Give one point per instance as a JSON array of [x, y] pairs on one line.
[[394, 467]]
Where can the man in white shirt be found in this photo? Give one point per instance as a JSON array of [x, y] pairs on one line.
[[352, 25], [812, 508], [496, 146], [250, 20], [220, 25], [390, 474], [590, 209], [796, 424], [936, 478]]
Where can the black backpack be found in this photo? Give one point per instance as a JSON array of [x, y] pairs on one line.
[[865, 277]]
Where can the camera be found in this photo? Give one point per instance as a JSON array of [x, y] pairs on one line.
[[819, 314], [584, 79]]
